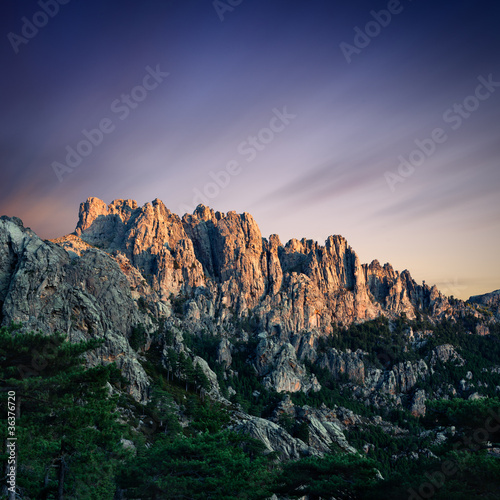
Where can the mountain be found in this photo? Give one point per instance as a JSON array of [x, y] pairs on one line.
[[312, 286], [302, 342], [489, 300]]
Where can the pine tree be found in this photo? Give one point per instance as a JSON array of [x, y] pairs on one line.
[[341, 476], [201, 467], [66, 427], [187, 369], [172, 360], [200, 379]]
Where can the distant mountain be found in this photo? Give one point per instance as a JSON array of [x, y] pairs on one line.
[[489, 300]]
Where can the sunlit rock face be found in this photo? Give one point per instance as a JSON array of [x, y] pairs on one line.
[[301, 285], [125, 264]]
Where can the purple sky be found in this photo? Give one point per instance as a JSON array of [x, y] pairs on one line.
[[261, 98]]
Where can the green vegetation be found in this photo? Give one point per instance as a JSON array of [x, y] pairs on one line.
[[467, 416], [244, 381], [222, 465], [384, 347], [480, 351], [138, 337], [339, 476], [66, 425], [253, 396], [296, 429], [454, 475], [385, 446], [178, 303], [81, 436]]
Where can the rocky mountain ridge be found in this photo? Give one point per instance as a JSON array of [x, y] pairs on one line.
[[144, 278], [311, 285]]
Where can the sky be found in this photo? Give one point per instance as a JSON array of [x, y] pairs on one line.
[[379, 120]]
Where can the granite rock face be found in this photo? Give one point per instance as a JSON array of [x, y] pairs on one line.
[[348, 364], [446, 353], [229, 272], [280, 369], [298, 286], [408, 373], [417, 408], [46, 289], [224, 353], [151, 237], [275, 438], [491, 301]]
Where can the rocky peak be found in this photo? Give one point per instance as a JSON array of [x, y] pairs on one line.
[[89, 212], [274, 241], [93, 208], [301, 285], [202, 214]]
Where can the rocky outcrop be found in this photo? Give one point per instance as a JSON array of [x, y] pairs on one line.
[[407, 374], [396, 292], [482, 330], [446, 353], [326, 427], [401, 379], [45, 288], [325, 431], [224, 353], [348, 364], [274, 437], [280, 369], [417, 407], [491, 301], [299, 286], [214, 390]]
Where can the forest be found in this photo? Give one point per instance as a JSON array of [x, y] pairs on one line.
[[81, 436]]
